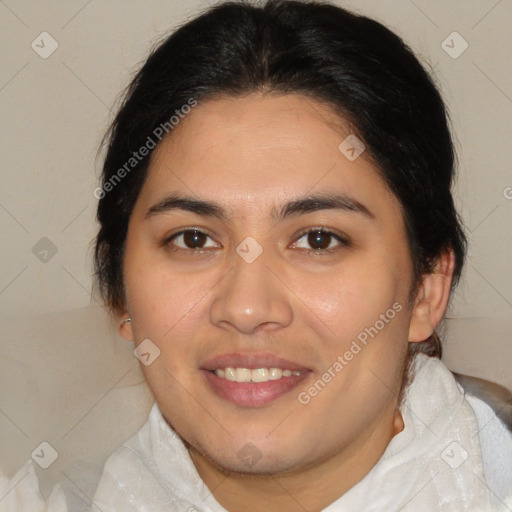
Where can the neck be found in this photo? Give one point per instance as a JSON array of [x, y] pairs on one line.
[[312, 488]]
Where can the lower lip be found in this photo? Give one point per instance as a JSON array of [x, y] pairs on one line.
[[252, 394]]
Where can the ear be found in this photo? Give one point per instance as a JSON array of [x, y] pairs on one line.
[[125, 328], [432, 298]]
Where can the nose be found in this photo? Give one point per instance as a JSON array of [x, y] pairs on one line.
[[251, 297]]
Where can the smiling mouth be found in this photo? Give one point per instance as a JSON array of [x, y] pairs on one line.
[[253, 393], [252, 380]]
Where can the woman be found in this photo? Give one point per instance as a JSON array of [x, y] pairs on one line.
[[279, 239]]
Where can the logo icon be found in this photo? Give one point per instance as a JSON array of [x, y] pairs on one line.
[[249, 249], [454, 455], [352, 147], [454, 45], [45, 455], [44, 45], [249, 454], [44, 250], [146, 352]]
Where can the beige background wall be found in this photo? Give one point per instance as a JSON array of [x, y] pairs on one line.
[[64, 377]]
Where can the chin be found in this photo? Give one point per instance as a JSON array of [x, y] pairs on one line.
[[255, 455], [252, 463]]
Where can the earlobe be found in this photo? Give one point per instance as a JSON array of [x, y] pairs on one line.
[[125, 327], [432, 298]]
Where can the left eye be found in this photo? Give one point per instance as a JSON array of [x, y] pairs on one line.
[[319, 240], [192, 239]]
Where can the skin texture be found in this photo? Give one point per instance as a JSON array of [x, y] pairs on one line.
[[250, 155]]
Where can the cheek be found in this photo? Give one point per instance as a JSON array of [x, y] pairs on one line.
[[364, 374], [366, 314], [351, 297], [160, 299], [167, 307]]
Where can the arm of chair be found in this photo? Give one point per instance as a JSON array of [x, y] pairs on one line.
[[496, 396]]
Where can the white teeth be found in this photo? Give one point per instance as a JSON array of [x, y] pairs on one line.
[[256, 375], [260, 375], [243, 375], [230, 374], [275, 373]]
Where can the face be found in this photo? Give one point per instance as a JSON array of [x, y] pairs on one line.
[[272, 272]]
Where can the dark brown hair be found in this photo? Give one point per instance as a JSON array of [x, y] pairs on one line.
[[362, 70]]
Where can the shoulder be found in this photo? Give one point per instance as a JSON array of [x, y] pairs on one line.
[[127, 475], [127, 483], [144, 472]]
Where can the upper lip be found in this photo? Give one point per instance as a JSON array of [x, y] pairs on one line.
[[251, 361]]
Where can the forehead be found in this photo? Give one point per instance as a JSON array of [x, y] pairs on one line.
[[258, 150]]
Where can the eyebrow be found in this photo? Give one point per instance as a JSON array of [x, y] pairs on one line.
[[298, 206]]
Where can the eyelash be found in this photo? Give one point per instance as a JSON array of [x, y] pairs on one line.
[[343, 242]]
